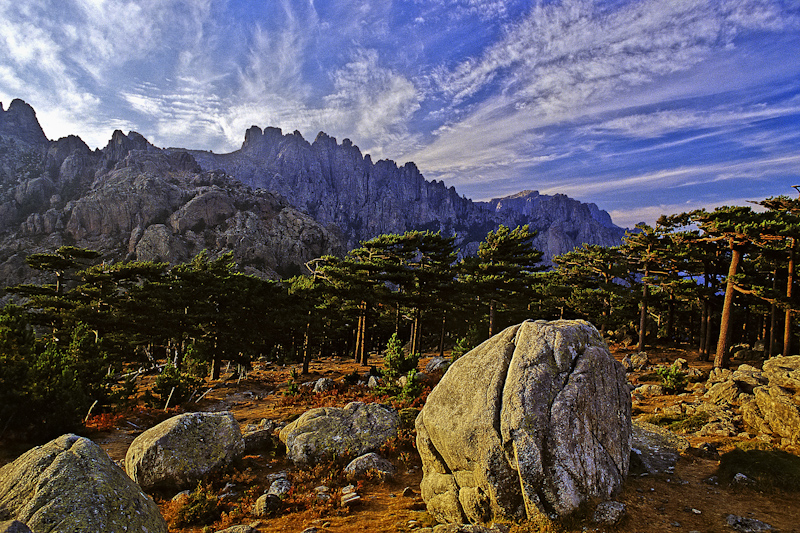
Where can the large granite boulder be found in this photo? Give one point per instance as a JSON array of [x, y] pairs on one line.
[[70, 484], [178, 452], [536, 419], [357, 429]]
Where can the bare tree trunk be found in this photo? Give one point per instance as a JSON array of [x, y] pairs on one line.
[[721, 357], [703, 328]]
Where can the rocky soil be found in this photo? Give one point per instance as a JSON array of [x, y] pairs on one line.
[[688, 498]]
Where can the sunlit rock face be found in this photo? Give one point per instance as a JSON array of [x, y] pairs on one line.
[[536, 419]]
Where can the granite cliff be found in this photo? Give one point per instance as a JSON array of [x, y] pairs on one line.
[[339, 186], [133, 201], [275, 203]]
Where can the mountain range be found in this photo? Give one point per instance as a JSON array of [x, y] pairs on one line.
[[276, 203]]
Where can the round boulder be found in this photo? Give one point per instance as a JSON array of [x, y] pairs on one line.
[[178, 452], [536, 420], [71, 484], [358, 428]]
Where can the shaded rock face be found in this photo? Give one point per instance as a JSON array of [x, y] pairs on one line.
[[534, 420], [323, 432], [179, 452], [338, 185], [70, 484]]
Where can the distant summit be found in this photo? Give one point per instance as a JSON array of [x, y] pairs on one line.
[[20, 122], [339, 186]]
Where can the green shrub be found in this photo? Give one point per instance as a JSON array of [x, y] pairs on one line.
[[682, 423], [462, 346], [672, 379], [396, 362], [173, 382], [200, 508]]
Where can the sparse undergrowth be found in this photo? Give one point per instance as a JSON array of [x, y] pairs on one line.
[[682, 423]]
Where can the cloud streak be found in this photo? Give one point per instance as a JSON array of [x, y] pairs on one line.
[[599, 100]]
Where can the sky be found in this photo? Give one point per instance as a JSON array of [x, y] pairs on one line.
[[644, 107]]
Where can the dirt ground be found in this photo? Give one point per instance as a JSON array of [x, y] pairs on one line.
[[682, 501]]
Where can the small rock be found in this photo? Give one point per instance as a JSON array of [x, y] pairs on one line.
[[741, 479], [266, 505], [370, 462], [323, 385], [408, 492], [182, 494], [747, 525], [280, 487], [609, 513]]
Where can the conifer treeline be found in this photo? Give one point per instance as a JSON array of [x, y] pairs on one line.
[[707, 278]]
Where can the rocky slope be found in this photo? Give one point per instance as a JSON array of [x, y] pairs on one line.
[[134, 201], [338, 185]]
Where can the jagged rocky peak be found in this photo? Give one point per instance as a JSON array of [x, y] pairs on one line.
[[532, 204], [120, 144], [20, 121]]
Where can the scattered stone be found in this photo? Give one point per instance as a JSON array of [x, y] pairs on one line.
[[280, 487], [267, 505], [783, 371], [373, 382], [537, 386], [681, 364], [649, 389], [741, 479], [182, 450], [369, 462], [322, 494], [357, 428], [259, 437], [323, 385], [437, 364], [70, 484], [239, 529], [349, 496], [408, 492], [747, 525], [609, 513]]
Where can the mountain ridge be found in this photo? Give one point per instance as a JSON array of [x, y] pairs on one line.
[[277, 202]]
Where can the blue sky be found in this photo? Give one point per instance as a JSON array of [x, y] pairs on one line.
[[645, 107]]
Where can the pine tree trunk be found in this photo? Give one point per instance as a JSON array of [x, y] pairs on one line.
[[773, 318], [643, 311], [703, 328], [721, 357], [492, 316], [787, 326], [441, 337], [306, 351]]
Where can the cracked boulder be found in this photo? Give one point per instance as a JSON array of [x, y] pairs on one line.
[[325, 432], [71, 484], [535, 420]]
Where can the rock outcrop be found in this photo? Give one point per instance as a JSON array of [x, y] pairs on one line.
[[774, 406], [536, 419], [70, 484], [179, 452], [325, 432]]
